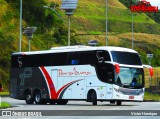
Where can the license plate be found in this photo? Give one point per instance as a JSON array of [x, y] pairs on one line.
[[131, 97]]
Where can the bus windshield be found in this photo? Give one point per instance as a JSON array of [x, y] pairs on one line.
[[130, 78], [127, 58]]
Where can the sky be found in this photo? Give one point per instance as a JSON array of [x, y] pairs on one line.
[[154, 3]]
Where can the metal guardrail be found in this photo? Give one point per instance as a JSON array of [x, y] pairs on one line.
[[152, 84]]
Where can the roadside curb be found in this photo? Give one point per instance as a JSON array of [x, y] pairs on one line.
[[151, 100]]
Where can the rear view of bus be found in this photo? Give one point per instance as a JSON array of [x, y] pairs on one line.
[[129, 75]]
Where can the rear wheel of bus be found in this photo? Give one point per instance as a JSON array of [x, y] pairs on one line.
[[28, 98], [119, 103], [38, 98]]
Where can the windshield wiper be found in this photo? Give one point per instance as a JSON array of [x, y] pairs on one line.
[[125, 85]]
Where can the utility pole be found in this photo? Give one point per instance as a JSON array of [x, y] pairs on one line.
[[69, 30], [20, 27], [106, 22], [132, 32]]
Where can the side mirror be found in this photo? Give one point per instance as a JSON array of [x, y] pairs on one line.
[[117, 68]]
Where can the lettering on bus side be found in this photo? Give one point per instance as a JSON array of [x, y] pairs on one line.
[[74, 72]]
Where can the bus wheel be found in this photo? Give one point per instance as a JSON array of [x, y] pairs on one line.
[[94, 98], [112, 102], [52, 102], [37, 98], [119, 103], [62, 102], [28, 98]]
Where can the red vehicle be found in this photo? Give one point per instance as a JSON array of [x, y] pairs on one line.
[[145, 3]]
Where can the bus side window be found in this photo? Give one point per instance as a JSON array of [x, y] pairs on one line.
[[74, 62], [73, 58], [19, 60], [87, 57], [105, 72], [103, 56], [99, 56], [59, 59], [110, 76]]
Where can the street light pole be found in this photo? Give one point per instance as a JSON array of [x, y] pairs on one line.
[[106, 22], [69, 6], [29, 33], [69, 32], [132, 32], [133, 27], [29, 44], [20, 27]]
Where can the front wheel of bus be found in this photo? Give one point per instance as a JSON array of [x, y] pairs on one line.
[[112, 102], [28, 98], [94, 98], [119, 103]]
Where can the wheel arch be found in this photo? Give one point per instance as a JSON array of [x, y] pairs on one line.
[[27, 90], [37, 90], [89, 94]]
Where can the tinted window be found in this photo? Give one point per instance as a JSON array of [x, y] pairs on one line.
[[88, 57], [50, 59], [126, 58], [37, 60], [103, 55], [105, 72], [59, 59], [16, 61], [73, 58]]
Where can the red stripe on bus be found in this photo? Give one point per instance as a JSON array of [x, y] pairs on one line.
[[50, 83], [65, 86]]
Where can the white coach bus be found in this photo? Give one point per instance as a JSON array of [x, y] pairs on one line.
[[86, 73]]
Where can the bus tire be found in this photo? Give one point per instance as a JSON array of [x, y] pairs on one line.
[[62, 102], [52, 102], [119, 103], [112, 102], [28, 98], [37, 97], [94, 98]]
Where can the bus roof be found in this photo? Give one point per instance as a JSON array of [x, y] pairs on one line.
[[76, 48]]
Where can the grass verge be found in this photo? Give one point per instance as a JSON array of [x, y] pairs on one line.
[[151, 96], [4, 105], [4, 93]]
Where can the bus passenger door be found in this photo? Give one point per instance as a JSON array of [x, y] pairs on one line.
[[109, 91]]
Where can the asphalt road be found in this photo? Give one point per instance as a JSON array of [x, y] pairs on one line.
[[85, 110]]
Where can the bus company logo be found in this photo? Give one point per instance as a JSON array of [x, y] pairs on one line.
[[73, 73], [143, 6], [27, 73]]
